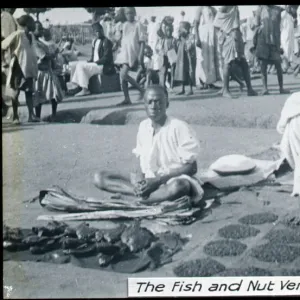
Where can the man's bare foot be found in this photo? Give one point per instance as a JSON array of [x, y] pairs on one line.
[[124, 103], [284, 91], [213, 87], [189, 93], [226, 94], [180, 93], [83, 93], [16, 121], [33, 119], [264, 92], [251, 93]]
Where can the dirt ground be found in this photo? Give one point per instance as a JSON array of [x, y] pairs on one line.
[[89, 136]]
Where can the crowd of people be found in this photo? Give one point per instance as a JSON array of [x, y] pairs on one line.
[[216, 46]]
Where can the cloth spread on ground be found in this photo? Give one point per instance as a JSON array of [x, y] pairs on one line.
[[125, 249], [178, 212], [289, 127]]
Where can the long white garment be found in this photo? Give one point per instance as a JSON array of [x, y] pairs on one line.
[[289, 127], [84, 70], [287, 35], [174, 145], [207, 68], [152, 34]]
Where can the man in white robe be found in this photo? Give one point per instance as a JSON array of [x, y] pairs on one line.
[[289, 127], [207, 69], [100, 62], [167, 149], [287, 36]]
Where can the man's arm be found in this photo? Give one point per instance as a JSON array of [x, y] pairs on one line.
[[189, 169], [106, 58], [92, 54], [197, 23]]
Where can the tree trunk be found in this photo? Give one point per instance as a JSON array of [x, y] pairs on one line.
[[37, 16]]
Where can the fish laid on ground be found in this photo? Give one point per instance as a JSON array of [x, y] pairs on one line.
[[137, 237]]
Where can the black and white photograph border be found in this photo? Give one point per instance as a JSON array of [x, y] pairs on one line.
[[148, 142]]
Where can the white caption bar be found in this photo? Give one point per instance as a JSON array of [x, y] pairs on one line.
[[213, 286]]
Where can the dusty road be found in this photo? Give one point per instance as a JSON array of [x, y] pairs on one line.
[[68, 153]]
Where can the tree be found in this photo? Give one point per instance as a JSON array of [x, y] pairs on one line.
[[36, 11], [99, 11]]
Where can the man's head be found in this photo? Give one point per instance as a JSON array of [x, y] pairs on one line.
[[153, 19], [47, 35], [148, 51], [38, 30], [98, 30], [169, 30], [26, 22], [156, 102], [184, 28], [130, 13]]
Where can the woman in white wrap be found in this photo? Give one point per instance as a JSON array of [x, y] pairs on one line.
[[289, 127]]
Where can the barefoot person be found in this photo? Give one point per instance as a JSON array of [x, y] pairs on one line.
[[48, 88], [101, 62], [206, 39], [227, 21], [166, 47], [186, 59], [167, 150], [131, 54], [23, 67], [267, 45]]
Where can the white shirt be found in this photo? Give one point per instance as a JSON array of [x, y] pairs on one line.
[[96, 50], [174, 145]]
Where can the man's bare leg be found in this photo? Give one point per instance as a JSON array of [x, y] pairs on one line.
[[225, 90], [246, 75], [125, 79], [264, 76], [169, 192], [280, 77], [114, 183]]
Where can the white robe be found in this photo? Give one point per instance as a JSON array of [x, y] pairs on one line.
[[207, 68], [287, 35], [82, 71], [289, 127], [174, 145]]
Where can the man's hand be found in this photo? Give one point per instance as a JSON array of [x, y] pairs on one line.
[[147, 186]]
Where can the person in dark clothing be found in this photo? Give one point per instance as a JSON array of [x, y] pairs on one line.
[[101, 61]]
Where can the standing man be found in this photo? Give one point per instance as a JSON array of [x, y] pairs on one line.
[[206, 39], [8, 26], [288, 36], [231, 45], [267, 44], [152, 33]]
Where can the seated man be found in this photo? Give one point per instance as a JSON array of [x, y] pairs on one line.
[[289, 127], [101, 62], [167, 150]]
